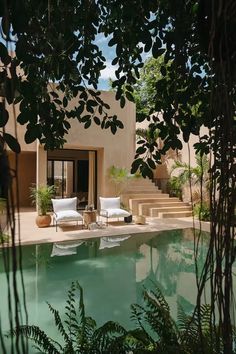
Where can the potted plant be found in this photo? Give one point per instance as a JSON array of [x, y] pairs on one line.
[[41, 197]]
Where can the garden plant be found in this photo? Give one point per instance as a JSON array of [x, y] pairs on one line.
[[56, 49]]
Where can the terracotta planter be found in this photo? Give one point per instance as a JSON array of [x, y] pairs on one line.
[[43, 220]]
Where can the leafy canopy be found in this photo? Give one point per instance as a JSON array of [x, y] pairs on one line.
[[60, 61]]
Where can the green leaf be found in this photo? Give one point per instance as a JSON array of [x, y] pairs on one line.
[[23, 117], [163, 70], [114, 61], [112, 42], [119, 124], [113, 128], [54, 94], [92, 103], [96, 120], [18, 99], [9, 90], [56, 100], [129, 96], [122, 101], [155, 48], [30, 137], [147, 172], [4, 115], [12, 142], [87, 124], [5, 58], [141, 150], [135, 165], [65, 102], [151, 163], [66, 124], [6, 25], [178, 144], [85, 118]]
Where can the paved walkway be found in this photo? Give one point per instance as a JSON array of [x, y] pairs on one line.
[[31, 234]]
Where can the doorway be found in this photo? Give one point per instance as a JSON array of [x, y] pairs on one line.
[[74, 173]]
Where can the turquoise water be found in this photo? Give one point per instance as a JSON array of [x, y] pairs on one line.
[[112, 272]]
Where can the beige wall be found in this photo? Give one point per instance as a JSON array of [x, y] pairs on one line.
[[187, 154], [26, 171], [118, 149]]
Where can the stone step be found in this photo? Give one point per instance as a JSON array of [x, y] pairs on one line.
[[158, 194], [144, 190], [140, 180], [155, 212], [140, 183], [176, 214], [145, 208], [134, 202], [125, 197]]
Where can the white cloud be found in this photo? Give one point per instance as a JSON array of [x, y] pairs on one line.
[[108, 72]]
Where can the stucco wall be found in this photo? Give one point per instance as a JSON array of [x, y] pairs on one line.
[[118, 149], [26, 175]]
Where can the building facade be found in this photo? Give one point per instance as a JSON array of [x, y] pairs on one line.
[[81, 167]]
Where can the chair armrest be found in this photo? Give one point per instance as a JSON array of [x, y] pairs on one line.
[[104, 211]]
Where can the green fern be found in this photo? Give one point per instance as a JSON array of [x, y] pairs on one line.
[[155, 332], [41, 340], [79, 333]]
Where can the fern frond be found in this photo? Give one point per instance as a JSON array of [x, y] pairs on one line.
[[59, 324], [110, 338], [40, 338]]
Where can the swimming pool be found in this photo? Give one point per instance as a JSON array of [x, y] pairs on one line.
[[112, 272]]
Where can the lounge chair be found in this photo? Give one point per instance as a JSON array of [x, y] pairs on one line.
[[65, 210], [110, 208]]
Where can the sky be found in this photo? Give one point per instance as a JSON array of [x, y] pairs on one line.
[[109, 54]]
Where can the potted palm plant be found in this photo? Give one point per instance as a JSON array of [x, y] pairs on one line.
[[41, 197]]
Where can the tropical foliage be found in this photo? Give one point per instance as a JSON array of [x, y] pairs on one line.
[[197, 179], [41, 196], [147, 137], [175, 187], [120, 177], [145, 88], [197, 175], [202, 211], [78, 333], [56, 51], [155, 330]]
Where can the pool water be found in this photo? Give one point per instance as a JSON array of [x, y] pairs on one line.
[[112, 272]]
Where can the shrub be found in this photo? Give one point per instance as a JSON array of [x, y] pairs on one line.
[[174, 187], [202, 211]]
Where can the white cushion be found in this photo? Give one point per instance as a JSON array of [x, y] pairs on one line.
[[104, 243], [114, 213], [68, 215], [110, 203], [56, 251], [64, 204]]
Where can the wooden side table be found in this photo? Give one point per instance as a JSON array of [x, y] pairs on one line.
[[89, 217]]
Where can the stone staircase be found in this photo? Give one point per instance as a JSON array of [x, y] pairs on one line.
[[144, 198]]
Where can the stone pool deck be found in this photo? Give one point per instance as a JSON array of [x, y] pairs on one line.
[[31, 234]]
